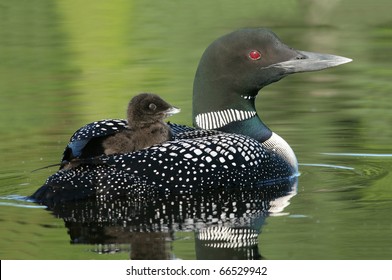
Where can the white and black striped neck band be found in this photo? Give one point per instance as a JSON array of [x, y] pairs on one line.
[[214, 120]]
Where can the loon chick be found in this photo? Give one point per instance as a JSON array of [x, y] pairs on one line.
[[144, 127], [145, 115], [240, 150]]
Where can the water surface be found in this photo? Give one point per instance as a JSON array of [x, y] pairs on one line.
[[64, 64]]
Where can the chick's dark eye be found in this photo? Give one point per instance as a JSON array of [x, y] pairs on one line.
[[152, 106], [254, 55]]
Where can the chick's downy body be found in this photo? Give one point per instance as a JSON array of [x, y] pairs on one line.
[[145, 115]]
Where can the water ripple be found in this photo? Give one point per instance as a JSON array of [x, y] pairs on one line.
[[20, 201], [357, 155], [327, 166], [21, 205]]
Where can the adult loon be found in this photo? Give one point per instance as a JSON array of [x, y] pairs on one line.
[[230, 145]]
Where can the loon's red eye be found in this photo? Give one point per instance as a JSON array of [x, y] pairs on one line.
[[254, 55]]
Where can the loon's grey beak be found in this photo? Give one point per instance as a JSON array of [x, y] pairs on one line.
[[311, 61], [171, 111]]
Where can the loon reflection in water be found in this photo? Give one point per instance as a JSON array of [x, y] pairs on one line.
[[242, 151], [226, 222]]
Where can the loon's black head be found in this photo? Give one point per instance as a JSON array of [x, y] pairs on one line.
[[235, 67], [147, 108]]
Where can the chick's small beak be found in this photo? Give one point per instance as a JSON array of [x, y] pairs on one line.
[[171, 111]]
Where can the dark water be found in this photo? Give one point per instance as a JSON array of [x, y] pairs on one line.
[[64, 64]]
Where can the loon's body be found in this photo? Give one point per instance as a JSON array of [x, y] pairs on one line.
[[230, 145]]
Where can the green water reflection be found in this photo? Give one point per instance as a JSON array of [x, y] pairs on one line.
[[66, 63]]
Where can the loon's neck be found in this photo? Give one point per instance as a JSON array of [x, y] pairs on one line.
[[252, 127], [215, 107]]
